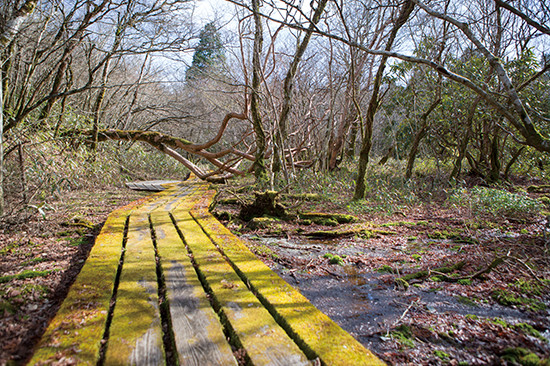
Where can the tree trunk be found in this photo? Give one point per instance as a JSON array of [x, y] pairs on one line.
[[457, 166], [1, 146], [494, 174], [259, 167], [515, 157], [420, 134], [360, 187], [350, 111]]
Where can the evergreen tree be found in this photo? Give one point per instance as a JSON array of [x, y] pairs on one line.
[[209, 54]]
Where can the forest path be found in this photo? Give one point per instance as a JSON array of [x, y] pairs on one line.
[[166, 283]]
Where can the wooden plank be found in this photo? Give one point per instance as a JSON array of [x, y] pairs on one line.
[[171, 198], [197, 330], [314, 331], [135, 335], [264, 341], [76, 331]]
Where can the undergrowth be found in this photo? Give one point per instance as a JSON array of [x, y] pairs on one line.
[[494, 202], [43, 171]]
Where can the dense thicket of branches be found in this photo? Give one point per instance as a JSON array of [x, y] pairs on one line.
[[323, 80]]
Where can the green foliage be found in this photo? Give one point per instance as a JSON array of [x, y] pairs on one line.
[[209, 53], [495, 202]]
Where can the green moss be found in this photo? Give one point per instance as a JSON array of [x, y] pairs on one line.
[[262, 222], [522, 356], [79, 221], [334, 259], [528, 287], [401, 283], [445, 269], [78, 241], [25, 274], [499, 321], [440, 354], [34, 261], [507, 298], [265, 251], [471, 316], [329, 219], [416, 257], [404, 335], [386, 269], [528, 329], [465, 282], [466, 301], [436, 234]]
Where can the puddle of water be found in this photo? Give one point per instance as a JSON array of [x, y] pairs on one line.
[[361, 302]]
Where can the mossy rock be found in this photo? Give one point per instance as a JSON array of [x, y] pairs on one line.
[[262, 222], [320, 217], [229, 201]]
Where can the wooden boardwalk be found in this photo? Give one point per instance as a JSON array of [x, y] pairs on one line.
[[167, 284]]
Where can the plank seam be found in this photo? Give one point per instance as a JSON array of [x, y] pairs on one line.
[[228, 329], [168, 338], [279, 319], [112, 303]]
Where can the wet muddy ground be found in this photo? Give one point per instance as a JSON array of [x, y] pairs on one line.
[[432, 321]]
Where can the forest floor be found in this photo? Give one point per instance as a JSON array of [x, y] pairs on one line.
[[427, 285], [448, 314], [42, 250]]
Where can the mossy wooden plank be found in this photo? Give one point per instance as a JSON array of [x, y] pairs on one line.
[[264, 341], [314, 331], [76, 331], [135, 335], [171, 198], [197, 329]]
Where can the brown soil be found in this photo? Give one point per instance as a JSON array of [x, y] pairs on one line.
[[51, 244]]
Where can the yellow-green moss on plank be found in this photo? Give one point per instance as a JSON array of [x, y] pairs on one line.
[[197, 330], [77, 329], [316, 331], [262, 338], [135, 335]]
